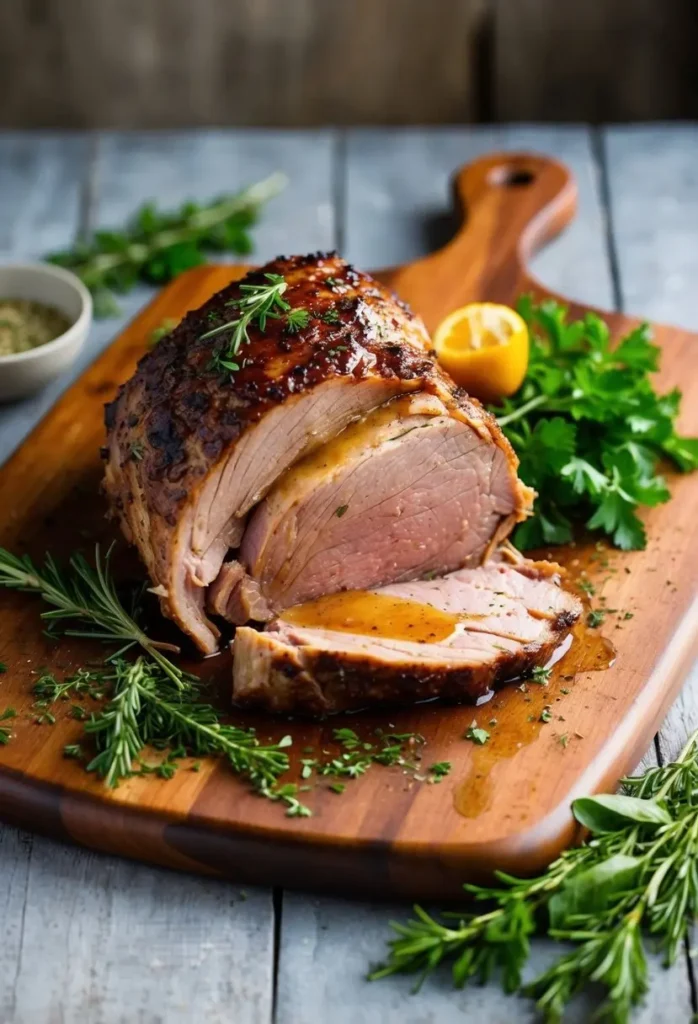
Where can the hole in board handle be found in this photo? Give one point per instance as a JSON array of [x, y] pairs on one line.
[[511, 177]]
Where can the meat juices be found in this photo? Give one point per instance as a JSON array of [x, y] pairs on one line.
[[339, 456]]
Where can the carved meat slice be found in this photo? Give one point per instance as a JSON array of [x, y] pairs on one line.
[[456, 638]]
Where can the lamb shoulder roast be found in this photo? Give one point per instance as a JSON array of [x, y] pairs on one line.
[[339, 456]]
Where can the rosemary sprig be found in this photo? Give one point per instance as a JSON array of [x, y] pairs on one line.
[[83, 594], [147, 709], [157, 246], [637, 875], [257, 304], [152, 701]]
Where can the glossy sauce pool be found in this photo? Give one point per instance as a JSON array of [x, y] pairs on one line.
[[386, 616], [588, 650], [374, 614]]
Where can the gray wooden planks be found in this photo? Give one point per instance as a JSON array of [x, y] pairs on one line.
[[105, 941], [655, 170], [653, 190], [396, 183]]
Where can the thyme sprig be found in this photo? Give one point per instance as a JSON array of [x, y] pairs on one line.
[[157, 246], [84, 603], [635, 877]]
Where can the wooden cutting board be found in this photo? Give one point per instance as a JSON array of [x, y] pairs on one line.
[[504, 804]]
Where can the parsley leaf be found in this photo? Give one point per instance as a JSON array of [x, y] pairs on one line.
[[590, 429]]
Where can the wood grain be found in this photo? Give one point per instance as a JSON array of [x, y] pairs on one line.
[[382, 835], [171, 63], [618, 49]]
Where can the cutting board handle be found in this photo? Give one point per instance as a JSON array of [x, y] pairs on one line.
[[510, 205], [518, 201]]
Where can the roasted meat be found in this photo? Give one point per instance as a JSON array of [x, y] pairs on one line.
[[456, 637], [337, 455]]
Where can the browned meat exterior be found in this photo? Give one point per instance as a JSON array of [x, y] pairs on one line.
[[191, 452], [468, 633]]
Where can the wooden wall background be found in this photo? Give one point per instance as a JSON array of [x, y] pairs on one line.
[[169, 63]]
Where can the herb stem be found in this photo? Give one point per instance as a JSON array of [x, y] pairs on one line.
[[88, 595], [204, 220], [522, 410]]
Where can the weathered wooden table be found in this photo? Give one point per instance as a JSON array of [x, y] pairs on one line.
[[89, 939]]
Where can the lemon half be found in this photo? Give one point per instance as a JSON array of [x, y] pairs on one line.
[[484, 347]]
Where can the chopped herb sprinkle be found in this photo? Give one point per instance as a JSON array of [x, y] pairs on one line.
[[541, 675], [477, 735]]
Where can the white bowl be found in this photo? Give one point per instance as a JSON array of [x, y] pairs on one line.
[[25, 372]]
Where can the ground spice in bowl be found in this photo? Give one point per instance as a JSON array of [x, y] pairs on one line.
[[25, 325]]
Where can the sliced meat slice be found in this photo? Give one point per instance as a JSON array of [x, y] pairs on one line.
[[407, 492], [457, 638]]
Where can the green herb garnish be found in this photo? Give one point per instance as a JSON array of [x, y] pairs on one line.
[[440, 770], [158, 246], [359, 755], [296, 320], [84, 603], [257, 304], [477, 735], [330, 316], [151, 701], [590, 429], [339, 512], [633, 878], [541, 675]]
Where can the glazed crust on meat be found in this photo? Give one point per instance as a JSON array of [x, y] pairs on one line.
[[177, 419]]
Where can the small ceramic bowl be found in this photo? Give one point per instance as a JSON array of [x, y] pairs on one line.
[[25, 372]]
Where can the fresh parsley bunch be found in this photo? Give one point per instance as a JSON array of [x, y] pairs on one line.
[[156, 246], [590, 429]]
